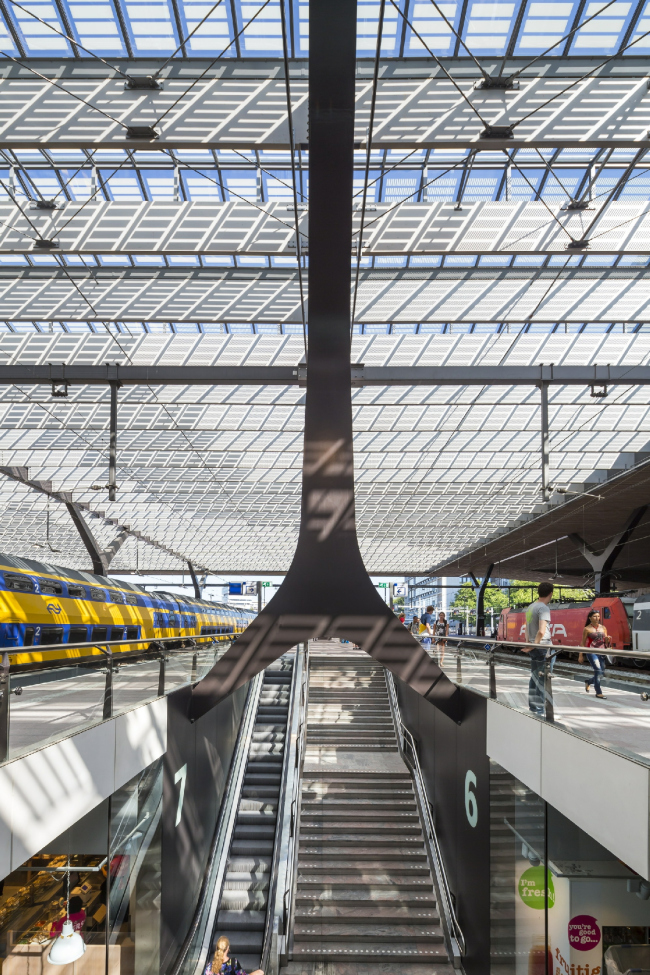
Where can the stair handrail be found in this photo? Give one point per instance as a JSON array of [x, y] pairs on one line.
[[279, 906], [205, 913], [406, 741]]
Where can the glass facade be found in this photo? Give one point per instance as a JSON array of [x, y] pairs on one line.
[[107, 867], [560, 903]]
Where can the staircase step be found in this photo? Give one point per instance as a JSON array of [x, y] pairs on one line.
[[356, 896], [376, 932], [363, 951], [351, 878], [382, 913]]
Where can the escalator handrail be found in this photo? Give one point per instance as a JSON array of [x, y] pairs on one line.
[[286, 834], [405, 738], [215, 871]]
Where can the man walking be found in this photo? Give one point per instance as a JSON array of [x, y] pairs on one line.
[[538, 632], [426, 629]]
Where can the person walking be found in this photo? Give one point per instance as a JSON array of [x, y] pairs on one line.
[[594, 636], [538, 632], [426, 631], [441, 629], [415, 627]]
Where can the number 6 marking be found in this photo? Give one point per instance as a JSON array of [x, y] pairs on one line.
[[181, 776], [471, 806]]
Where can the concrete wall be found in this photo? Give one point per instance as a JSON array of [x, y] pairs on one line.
[[44, 793], [605, 794]]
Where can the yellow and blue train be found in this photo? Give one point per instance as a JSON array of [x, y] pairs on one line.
[[42, 604]]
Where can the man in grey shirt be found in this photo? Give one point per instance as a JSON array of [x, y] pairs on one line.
[[538, 631]]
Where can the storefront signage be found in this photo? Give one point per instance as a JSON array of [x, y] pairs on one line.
[[584, 933]]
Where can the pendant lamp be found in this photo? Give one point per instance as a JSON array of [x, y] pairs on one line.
[[69, 946]]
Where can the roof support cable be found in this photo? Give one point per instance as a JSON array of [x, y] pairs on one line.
[[39, 237], [74, 43], [64, 90], [182, 44], [551, 172], [464, 177], [211, 65], [459, 38], [294, 183], [578, 80], [273, 175], [621, 181], [371, 125], [525, 67], [441, 66], [386, 170], [244, 199], [90, 199], [511, 159]]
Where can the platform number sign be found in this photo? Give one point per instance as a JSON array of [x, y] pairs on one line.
[[471, 806], [181, 776]]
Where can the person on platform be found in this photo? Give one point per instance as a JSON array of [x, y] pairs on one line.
[[222, 964], [538, 632], [594, 637], [426, 630], [415, 627], [441, 630]]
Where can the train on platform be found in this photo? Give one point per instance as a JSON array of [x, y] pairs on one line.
[[42, 604], [626, 619]]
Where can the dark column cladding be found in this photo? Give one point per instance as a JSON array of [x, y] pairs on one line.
[[195, 771], [456, 770]]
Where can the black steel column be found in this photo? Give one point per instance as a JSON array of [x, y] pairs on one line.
[[112, 443], [480, 602], [327, 591]]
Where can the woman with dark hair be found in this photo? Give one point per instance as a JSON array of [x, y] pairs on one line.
[[595, 635]]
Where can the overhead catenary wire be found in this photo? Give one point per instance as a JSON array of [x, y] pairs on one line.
[[292, 149], [371, 124]]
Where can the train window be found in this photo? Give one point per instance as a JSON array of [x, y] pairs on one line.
[[51, 634], [606, 612], [78, 634], [132, 632], [76, 592], [100, 632], [99, 595], [131, 598], [117, 597], [29, 637], [19, 583], [50, 587], [117, 633]]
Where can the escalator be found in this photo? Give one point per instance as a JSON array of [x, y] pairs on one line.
[[244, 898]]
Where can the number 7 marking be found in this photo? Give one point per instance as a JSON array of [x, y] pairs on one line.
[[181, 776]]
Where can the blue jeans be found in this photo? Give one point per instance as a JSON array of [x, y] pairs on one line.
[[426, 642], [536, 688], [598, 669]]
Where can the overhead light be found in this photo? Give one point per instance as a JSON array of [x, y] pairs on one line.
[[68, 947]]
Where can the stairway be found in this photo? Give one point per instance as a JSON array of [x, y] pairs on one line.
[[365, 891], [242, 909]]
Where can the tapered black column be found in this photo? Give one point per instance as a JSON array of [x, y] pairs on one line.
[[327, 591]]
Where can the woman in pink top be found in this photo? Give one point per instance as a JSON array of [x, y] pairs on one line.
[[595, 636], [77, 916]]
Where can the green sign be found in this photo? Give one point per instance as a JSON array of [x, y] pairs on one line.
[[382, 585], [531, 888], [265, 584]]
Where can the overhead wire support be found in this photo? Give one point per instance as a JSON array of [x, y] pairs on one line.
[[371, 125], [460, 40], [292, 149], [39, 236]]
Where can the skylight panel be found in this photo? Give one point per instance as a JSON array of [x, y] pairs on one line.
[[604, 32], [200, 187], [122, 186], [6, 40], [482, 185], [637, 186], [570, 179], [264, 36], [431, 27], [46, 184], [37, 38], [96, 26], [441, 186], [279, 186], [488, 26], [159, 184], [242, 184], [368, 24], [151, 26], [524, 183], [213, 35], [639, 43], [399, 185], [545, 24]]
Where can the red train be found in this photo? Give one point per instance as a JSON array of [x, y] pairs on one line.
[[568, 621]]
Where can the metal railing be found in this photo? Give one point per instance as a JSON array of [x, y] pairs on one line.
[[191, 957], [279, 916], [109, 664], [454, 936]]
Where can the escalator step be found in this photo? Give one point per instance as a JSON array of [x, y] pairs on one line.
[[252, 847], [230, 920]]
